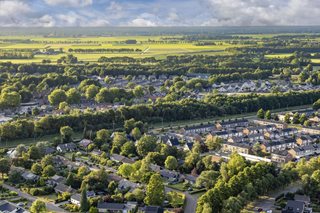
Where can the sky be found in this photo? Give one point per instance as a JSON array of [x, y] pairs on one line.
[[145, 13]]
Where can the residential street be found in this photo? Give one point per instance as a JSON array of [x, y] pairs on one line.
[[267, 203], [50, 206]]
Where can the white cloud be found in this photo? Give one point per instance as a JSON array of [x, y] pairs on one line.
[[69, 3], [13, 8], [257, 12], [141, 22]]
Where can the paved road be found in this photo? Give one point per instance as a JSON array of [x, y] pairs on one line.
[[50, 206], [267, 202], [191, 201]]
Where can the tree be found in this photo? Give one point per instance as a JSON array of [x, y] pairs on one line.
[[171, 163], [213, 142], [91, 92], [136, 133], [295, 118], [128, 149], [303, 118], [66, 133], [36, 168], [155, 193], [10, 99], [93, 210], [84, 203], [268, 115], [207, 179], [57, 96], [34, 153], [125, 170], [316, 105], [138, 91], [147, 143], [46, 160], [73, 96], [287, 118], [49, 171], [129, 125], [4, 166], [38, 206], [260, 113]]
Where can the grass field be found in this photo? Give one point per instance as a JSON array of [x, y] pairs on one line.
[[151, 46], [284, 55]]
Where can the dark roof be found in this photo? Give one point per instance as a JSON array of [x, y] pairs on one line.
[[294, 207], [111, 206], [174, 141], [76, 197], [63, 188], [168, 174], [6, 206], [153, 209]]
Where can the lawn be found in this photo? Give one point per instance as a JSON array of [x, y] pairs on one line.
[[178, 186], [29, 141]]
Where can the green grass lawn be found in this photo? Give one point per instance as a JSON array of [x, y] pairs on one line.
[[29, 141], [178, 186]]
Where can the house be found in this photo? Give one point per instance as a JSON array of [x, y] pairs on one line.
[[190, 178], [67, 147], [121, 159], [255, 137], [76, 199], [125, 184], [281, 157], [188, 146], [117, 207], [294, 206], [49, 150], [288, 131], [199, 129], [232, 124], [302, 198], [278, 124], [28, 176], [304, 140], [173, 141], [236, 139], [243, 147], [8, 207], [61, 188], [274, 146], [258, 129], [272, 134], [303, 151], [84, 143], [171, 176], [55, 180], [152, 209]]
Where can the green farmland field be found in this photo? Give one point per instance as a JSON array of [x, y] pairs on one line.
[[151, 46]]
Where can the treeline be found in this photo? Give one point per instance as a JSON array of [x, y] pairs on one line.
[[104, 50], [231, 194], [186, 109], [16, 55], [315, 49], [258, 74]]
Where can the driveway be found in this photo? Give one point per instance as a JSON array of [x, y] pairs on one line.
[[267, 202], [50, 206]]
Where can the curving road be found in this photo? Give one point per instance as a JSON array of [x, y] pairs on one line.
[[50, 206]]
